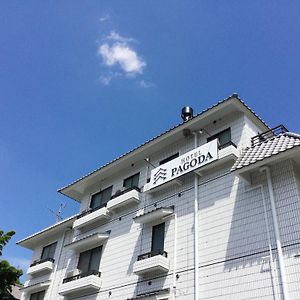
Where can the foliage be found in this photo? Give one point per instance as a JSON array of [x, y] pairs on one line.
[[9, 275], [4, 238]]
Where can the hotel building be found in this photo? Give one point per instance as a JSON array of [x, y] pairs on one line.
[[208, 209]]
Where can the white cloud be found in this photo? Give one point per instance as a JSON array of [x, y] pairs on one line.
[[114, 36], [116, 52], [105, 79], [104, 18], [145, 84], [122, 55]]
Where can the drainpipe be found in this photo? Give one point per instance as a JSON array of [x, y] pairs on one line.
[[175, 256], [196, 251], [277, 233], [260, 186]]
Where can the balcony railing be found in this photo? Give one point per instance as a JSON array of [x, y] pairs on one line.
[[151, 254], [267, 135], [117, 194], [82, 275], [230, 143], [40, 261], [86, 212]]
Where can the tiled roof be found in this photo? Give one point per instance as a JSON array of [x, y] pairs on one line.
[[271, 147], [167, 131]]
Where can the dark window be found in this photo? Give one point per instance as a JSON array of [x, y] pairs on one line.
[[37, 296], [101, 197], [132, 181], [158, 238], [48, 251], [224, 137], [90, 260], [169, 158]]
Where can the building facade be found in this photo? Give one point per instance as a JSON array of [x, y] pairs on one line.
[[206, 210]]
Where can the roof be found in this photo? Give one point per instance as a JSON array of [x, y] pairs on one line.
[[271, 147], [233, 97], [30, 241], [15, 291]]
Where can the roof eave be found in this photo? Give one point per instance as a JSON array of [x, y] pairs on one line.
[[31, 241], [70, 190]]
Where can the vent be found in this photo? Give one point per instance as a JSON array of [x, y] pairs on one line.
[[186, 113]]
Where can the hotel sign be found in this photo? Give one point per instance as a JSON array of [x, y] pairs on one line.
[[184, 164]]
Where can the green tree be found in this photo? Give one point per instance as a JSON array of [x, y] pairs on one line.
[[9, 275]]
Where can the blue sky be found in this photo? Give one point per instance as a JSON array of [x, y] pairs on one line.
[[83, 82]]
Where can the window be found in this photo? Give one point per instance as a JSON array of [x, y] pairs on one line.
[[132, 181], [224, 137], [49, 251], [169, 158], [90, 260], [101, 198], [158, 238], [37, 296]]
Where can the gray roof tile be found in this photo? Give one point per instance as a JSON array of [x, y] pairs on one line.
[[274, 146]]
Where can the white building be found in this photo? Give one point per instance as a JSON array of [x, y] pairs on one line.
[[221, 185]]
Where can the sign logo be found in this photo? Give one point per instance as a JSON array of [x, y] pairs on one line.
[[183, 164], [160, 174]]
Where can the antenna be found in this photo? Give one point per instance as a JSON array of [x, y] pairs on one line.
[[58, 214]]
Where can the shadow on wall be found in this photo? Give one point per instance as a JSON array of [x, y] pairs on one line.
[[248, 241], [146, 285], [136, 251]]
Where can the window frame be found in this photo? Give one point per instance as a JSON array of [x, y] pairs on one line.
[[97, 193], [169, 158], [161, 229], [38, 295], [131, 178], [216, 136], [45, 248], [90, 252]]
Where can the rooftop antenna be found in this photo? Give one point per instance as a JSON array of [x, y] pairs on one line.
[[58, 214]]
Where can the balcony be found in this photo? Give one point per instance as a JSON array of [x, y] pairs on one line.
[[173, 183], [124, 199], [151, 263], [155, 295], [41, 266], [80, 284], [99, 214], [226, 153]]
